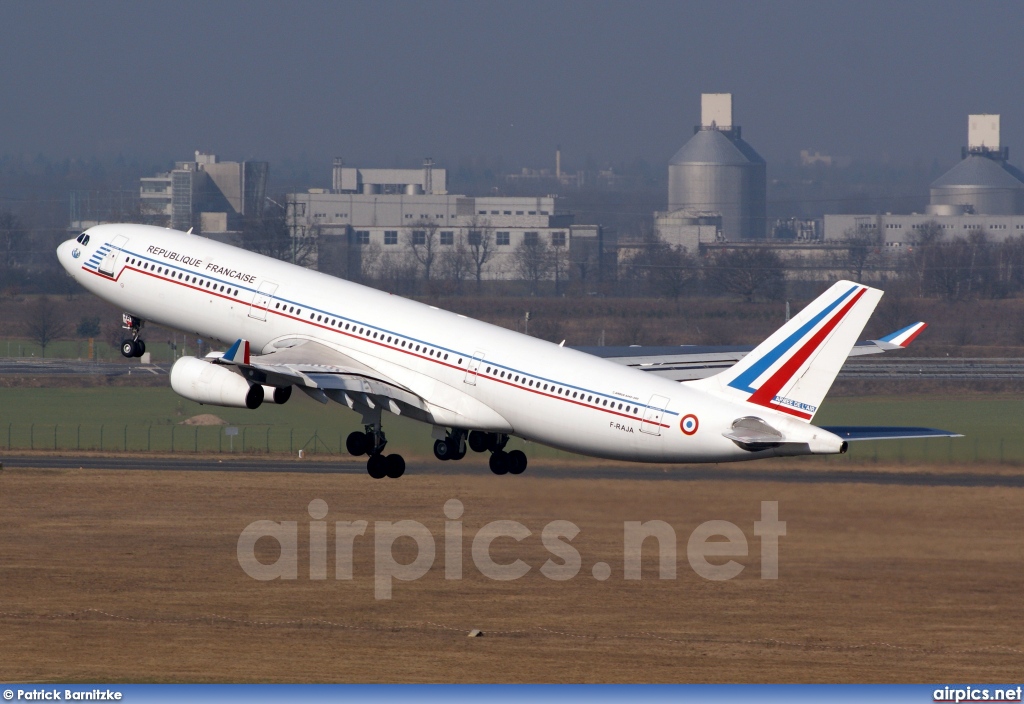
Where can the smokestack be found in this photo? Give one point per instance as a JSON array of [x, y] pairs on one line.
[[339, 164], [558, 162]]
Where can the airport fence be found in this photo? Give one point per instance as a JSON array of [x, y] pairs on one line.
[[274, 439], [164, 438]]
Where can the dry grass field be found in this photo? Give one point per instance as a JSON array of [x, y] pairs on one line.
[[133, 576]]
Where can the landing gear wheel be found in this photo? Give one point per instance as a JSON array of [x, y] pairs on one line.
[[456, 447], [442, 450], [376, 466], [394, 466], [356, 443], [516, 462], [128, 348], [477, 441], [499, 462], [140, 348]]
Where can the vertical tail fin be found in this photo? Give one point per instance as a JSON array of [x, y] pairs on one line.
[[792, 370]]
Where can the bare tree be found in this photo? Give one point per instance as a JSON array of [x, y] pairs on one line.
[[270, 235], [480, 239], [457, 262], [13, 238], [749, 272], [423, 244], [559, 254], [43, 322], [862, 252], [532, 261]]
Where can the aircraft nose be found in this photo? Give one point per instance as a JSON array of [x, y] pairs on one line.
[[65, 254]]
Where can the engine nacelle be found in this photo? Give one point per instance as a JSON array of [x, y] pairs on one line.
[[204, 382], [276, 394]]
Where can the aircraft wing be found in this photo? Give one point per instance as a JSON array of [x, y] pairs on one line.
[[688, 362], [324, 374]]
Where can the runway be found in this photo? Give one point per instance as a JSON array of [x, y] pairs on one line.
[[687, 473]]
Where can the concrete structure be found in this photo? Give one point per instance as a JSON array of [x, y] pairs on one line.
[[983, 183], [427, 180], [375, 215], [206, 194], [717, 171], [902, 230], [687, 229], [982, 192]]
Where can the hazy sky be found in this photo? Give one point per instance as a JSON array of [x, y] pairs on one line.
[[614, 80]]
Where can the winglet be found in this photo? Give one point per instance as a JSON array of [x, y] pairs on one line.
[[238, 353], [903, 338]]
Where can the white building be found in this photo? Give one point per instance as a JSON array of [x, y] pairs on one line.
[[206, 194], [390, 211]]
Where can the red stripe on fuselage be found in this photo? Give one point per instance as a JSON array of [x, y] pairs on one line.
[[480, 375]]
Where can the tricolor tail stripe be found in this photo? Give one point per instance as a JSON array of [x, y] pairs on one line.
[[238, 353], [904, 337], [745, 379], [765, 395]]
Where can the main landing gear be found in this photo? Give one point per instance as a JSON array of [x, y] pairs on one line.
[[371, 442], [453, 447], [501, 462], [133, 346]]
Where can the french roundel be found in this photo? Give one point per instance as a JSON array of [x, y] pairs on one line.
[[689, 424]]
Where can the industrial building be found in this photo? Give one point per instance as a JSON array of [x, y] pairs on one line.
[[716, 178], [391, 212], [982, 192], [207, 195]]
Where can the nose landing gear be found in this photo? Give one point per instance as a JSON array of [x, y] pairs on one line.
[[133, 346]]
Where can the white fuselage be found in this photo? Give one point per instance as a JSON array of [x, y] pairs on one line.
[[533, 389]]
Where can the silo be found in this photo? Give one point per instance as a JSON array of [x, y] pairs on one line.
[[717, 171], [984, 181]]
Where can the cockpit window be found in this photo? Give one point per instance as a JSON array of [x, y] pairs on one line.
[[82, 239]]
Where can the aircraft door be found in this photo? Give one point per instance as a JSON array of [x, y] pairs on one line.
[[474, 367], [110, 258], [261, 300], [653, 414]]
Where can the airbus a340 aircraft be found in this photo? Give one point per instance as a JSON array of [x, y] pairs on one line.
[[475, 383]]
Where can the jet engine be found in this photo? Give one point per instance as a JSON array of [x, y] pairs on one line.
[[276, 394], [204, 382]]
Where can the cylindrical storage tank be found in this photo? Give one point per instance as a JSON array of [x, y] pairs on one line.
[[987, 186], [719, 173], [946, 210], [370, 189], [413, 189]]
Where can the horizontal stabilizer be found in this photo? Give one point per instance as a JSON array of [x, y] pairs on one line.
[[903, 338], [853, 433]]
